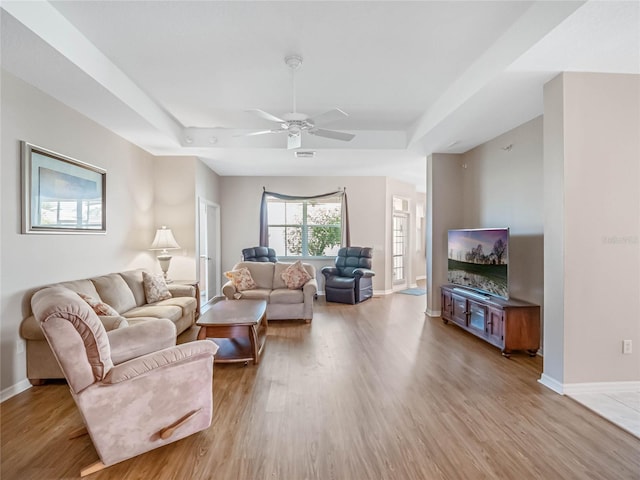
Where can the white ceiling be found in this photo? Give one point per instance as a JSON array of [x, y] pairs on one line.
[[415, 77]]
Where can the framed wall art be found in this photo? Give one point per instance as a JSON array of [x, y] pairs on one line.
[[61, 194]]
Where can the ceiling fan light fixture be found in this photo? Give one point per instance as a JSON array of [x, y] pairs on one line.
[[293, 61]]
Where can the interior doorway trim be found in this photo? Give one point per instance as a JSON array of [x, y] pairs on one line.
[[203, 205]]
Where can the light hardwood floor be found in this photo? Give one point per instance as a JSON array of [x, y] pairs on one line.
[[373, 391]]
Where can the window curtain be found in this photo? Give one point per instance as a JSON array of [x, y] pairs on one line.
[[264, 216]]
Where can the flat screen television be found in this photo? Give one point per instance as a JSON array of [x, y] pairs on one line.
[[478, 259]]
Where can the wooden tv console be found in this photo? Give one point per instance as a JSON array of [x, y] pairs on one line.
[[508, 324]]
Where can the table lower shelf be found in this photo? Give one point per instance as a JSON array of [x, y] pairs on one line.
[[233, 350]]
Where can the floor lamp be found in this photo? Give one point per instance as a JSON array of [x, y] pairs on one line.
[[164, 241]]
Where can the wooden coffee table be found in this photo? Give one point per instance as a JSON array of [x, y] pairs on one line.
[[239, 327]]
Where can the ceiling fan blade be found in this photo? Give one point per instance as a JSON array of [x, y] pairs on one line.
[[294, 141], [320, 132], [328, 117], [266, 115], [261, 132]]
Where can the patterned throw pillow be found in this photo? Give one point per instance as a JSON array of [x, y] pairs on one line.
[[99, 307], [155, 288], [295, 276], [241, 279]]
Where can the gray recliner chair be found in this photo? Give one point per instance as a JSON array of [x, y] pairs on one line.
[[350, 281], [259, 254]]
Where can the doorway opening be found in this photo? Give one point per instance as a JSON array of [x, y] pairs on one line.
[[208, 250]]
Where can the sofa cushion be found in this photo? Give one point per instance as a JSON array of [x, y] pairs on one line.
[[114, 290], [155, 288], [286, 295], [261, 272], [134, 280], [99, 307], [82, 286], [256, 294], [241, 279], [187, 304], [171, 312], [295, 276]]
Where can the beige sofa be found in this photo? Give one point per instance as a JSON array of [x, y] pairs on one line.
[[282, 303], [125, 293]]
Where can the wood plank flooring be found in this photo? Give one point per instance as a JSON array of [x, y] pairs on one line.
[[372, 391]]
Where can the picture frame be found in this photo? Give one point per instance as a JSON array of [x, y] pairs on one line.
[[61, 195]]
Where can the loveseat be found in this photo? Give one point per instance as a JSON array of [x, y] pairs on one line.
[[125, 293], [282, 302]]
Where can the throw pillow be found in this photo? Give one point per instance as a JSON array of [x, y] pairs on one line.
[[241, 279], [155, 288], [99, 307], [295, 276]]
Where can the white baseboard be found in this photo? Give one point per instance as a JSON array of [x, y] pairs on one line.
[[13, 390], [601, 387], [434, 313], [588, 387], [382, 292], [551, 383]]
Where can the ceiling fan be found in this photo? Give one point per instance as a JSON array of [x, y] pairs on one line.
[[294, 123]]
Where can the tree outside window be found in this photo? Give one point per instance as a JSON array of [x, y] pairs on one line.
[[306, 228]]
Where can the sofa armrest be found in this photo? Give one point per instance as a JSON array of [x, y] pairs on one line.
[[137, 367], [141, 339], [229, 290], [181, 290], [310, 289]]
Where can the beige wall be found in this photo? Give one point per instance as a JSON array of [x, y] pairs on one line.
[[444, 212], [554, 208], [601, 119], [503, 187], [368, 211], [29, 261], [175, 207], [420, 258]]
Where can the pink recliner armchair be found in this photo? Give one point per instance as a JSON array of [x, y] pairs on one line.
[[135, 406]]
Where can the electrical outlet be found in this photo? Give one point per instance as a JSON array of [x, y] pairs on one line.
[[19, 346], [626, 346]]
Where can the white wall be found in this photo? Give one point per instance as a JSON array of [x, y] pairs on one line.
[[601, 164], [504, 188], [29, 261], [367, 210]]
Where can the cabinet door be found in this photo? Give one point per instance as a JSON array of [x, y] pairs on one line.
[[477, 314], [447, 306], [459, 314], [495, 326]]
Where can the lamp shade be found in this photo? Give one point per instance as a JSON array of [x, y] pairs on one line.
[[164, 240]]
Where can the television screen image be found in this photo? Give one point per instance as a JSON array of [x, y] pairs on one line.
[[479, 259]]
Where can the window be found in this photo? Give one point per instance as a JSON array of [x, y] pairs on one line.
[[307, 228]]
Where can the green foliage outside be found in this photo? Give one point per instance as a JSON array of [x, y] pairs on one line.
[[323, 233]]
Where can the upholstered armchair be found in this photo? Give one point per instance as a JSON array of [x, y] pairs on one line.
[[259, 254], [350, 281], [135, 406]]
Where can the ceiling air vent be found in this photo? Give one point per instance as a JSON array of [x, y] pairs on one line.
[[303, 154]]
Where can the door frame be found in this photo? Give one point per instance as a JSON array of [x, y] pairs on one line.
[[217, 254]]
